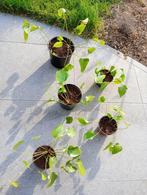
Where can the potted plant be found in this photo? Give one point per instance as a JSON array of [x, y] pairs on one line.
[[108, 124], [49, 158], [104, 76]]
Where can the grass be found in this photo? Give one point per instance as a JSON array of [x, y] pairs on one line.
[[46, 11]]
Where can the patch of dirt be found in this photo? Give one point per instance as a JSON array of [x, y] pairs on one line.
[[126, 29]]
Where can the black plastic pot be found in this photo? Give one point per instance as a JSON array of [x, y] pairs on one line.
[[107, 126], [108, 78], [60, 61], [71, 97], [41, 160]]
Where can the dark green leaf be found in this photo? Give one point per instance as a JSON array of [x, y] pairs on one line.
[[122, 90], [69, 119], [101, 99], [116, 148], [83, 63], [52, 178], [73, 151], [89, 135]]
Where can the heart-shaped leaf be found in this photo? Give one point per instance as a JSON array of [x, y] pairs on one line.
[[73, 151], [89, 135], [58, 132], [61, 76], [122, 90], [91, 50], [83, 63]]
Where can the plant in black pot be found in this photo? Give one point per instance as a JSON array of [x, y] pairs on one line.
[[51, 158], [68, 94], [104, 76], [108, 124]]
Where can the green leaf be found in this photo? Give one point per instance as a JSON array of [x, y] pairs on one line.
[[109, 115], [58, 132], [73, 151], [61, 76], [113, 148], [52, 178], [52, 162], [99, 79], [61, 12], [95, 38], [69, 119], [60, 38], [26, 164], [103, 85], [83, 121], [81, 27], [26, 35], [43, 176], [14, 184], [58, 44], [68, 67], [89, 135], [101, 42], [34, 28], [116, 148], [83, 63], [91, 50], [17, 145], [101, 99], [35, 138], [69, 167], [87, 100], [81, 167], [71, 132], [113, 71], [122, 90], [108, 146], [117, 81]]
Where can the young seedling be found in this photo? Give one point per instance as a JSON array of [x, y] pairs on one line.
[[104, 76]]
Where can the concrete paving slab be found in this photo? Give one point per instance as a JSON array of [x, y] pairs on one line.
[[28, 80]]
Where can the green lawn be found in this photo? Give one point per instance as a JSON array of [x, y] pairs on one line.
[[46, 10]]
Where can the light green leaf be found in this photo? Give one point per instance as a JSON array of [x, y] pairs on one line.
[[69, 167], [87, 100], [35, 138], [109, 115], [81, 167], [73, 151], [26, 164], [101, 42], [95, 38], [101, 99], [15, 184], [69, 119], [68, 67], [108, 146], [83, 121], [122, 90], [58, 132], [80, 29], [99, 79], [52, 162], [113, 71], [83, 63], [89, 135], [60, 38], [71, 132], [58, 44], [33, 28], [61, 76], [43, 176], [61, 12], [17, 145], [116, 148], [91, 50], [52, 178], [117, 81], [103, 85]]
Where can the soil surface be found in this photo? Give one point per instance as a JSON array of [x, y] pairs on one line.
[[126, 29], [108, 75], [41, 156], [107, 125]]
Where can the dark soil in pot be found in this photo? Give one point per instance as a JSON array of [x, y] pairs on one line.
[[61, 56], [71, 97], [108, 78], [41, 156], [107, 126]]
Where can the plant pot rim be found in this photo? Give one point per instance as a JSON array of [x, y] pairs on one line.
[[78, 89], [50, 47]]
